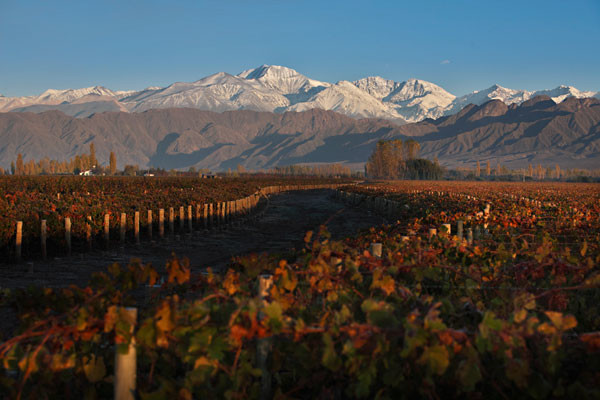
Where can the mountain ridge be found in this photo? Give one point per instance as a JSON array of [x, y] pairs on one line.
[[538, 131], [279, 89]]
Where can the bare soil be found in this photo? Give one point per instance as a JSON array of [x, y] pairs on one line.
[[279, 228]]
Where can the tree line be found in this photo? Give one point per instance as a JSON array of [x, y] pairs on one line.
[[395, 159], [75, 165]]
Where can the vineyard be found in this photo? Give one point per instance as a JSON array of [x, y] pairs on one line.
[[94, 204], [472, 290]]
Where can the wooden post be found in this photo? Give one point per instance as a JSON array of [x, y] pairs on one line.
[[376, 250], [126, 363], [123, 226], [205, 215], [161, 223], [136, 227], [459, 230], [19, 240], [107, 230], [198, 216], [43, 234], [181, 218], [88, 232], [149, 222], [68, 234], [189, 218], [263, 346], [171, 221]]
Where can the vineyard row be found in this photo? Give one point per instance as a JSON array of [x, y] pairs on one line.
[[208, 215]]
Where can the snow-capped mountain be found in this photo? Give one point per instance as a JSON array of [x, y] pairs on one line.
[[414, 99], [562, 92], [279, 89]]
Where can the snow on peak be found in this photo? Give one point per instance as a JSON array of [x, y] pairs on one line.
[[270, 72], [561, 92], [285, 81], [376, 86], [277, 88]]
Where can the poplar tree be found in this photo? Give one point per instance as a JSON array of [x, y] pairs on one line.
[[93, 160], [20, 165], [113, 163]]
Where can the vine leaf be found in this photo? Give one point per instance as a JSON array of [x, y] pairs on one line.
[[94, 368]]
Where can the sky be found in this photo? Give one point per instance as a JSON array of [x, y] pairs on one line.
[[460, 45]]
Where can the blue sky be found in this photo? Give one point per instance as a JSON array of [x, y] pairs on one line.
[[460, 45]]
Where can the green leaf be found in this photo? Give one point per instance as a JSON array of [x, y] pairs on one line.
[[275, 314], [436, 359], [489, 323], [468, 374], [330, 358]]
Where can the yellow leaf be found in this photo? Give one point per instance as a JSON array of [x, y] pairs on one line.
[[583, 249], [560, 321], [205, 362], [110, 318], [546, 329], [61, 362], [230, 284], [164, 324], [94, 369], [520, 316], [178, 272], [383, 282]]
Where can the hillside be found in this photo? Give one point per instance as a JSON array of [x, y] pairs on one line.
[[537, 131]]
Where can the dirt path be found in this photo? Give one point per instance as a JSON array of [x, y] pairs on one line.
[[286, 219]]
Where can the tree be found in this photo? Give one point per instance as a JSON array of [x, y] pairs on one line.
[[93, 160], [12, 167], [488, 169], [412, 149], [77, 165], [131, 170], [20, 165], [557, 169], [113, 163], [540, 172], [530, 170], [478, 169]]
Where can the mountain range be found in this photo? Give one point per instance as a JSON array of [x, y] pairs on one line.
[[279, 89], [515, 134]]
